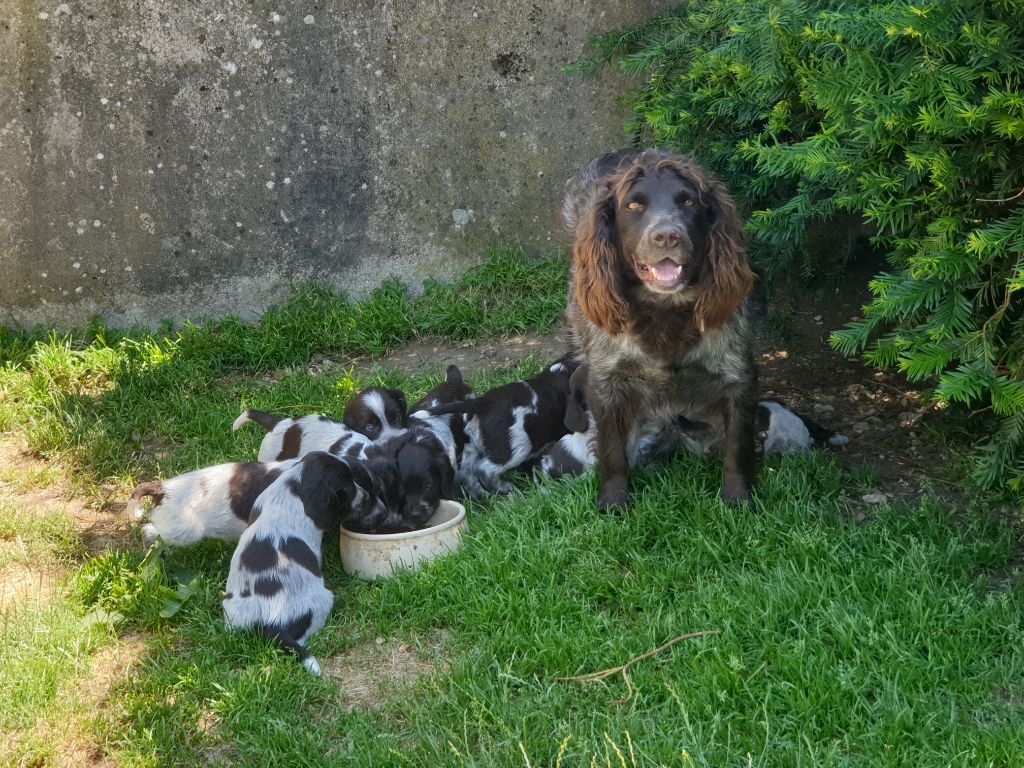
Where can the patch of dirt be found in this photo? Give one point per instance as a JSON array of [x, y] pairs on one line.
[[371, 674], [27, 589], [434, 355], [101, 523], [887, 418]]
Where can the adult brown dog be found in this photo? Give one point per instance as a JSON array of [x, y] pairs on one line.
[[657, 305]]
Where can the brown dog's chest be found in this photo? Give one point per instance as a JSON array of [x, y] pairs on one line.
[[665, 334]]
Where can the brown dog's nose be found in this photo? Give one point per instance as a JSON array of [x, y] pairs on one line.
[[666, 236]]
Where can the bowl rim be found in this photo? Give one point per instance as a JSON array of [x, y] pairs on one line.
[[460, 515]]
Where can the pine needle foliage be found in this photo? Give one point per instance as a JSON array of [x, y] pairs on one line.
[[904, 120]]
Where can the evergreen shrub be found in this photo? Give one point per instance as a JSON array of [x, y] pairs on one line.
[[900, 119]]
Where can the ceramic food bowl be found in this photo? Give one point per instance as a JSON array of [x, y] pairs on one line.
[[371, 556]]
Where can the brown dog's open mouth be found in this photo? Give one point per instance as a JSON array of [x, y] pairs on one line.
[[665, 274]]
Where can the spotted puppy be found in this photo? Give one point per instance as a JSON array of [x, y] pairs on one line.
[[787, 431], [275, 584], [373, 414], [509, 426], [209, 503]]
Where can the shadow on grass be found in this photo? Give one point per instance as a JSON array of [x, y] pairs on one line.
[[119, 405]]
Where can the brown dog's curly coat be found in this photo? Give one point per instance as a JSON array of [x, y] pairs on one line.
[[658, 307]]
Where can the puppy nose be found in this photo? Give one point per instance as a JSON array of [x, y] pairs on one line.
[[666, 236]]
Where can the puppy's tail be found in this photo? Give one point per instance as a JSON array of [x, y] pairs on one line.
[[821, 435], [266, 420], [286, 642], [154, 489]]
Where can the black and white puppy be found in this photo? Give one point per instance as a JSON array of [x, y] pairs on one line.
[[788, 432], [375, 413], [509, 426], [574, 452], [275, 584], [430, 413], [209, 503], [412, 473]]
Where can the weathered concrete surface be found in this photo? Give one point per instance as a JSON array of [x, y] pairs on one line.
[[162, 159]]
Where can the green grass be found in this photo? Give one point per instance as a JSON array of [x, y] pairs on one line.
[[896, 642], [890, 643], [30, 536]]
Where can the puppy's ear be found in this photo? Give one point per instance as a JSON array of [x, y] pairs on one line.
[[597, 267], [445, 476], [576, 405], [399, 396], [326, 488], [453, 375], [727, 278]]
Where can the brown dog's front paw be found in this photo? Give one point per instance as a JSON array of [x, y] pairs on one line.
[[614, 499], [735, 489]]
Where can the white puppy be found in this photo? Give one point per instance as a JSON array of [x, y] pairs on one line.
[[209, 503]]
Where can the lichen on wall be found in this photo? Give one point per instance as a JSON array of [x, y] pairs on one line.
[[164, 160]]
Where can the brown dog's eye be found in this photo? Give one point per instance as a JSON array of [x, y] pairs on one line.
[[635, 206], [688, 203]]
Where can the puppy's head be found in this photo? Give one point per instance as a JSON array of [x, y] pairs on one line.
[[326, 489], [425, 476], [377, 412], [418, 474], [452, 390]]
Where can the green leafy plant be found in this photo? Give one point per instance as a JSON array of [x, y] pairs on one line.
[[896, 120], [123, 588]]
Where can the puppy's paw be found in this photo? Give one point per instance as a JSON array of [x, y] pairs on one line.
[[503, 488], [149, 534]]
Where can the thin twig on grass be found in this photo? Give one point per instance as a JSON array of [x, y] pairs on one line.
[[624, 668]]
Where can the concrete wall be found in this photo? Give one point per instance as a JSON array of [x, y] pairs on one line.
[[163, 159]]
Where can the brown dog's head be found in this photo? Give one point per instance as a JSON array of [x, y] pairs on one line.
[[660, 225]]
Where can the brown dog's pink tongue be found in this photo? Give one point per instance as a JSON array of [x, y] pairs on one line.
[[666, 270]]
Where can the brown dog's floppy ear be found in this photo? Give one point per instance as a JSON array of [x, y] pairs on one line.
[[595, 256], [728, 277]]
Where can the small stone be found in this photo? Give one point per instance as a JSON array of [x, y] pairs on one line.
[[308, 19], [380, 641], [861, 426], [874, 498], [817, 318], [861, 517]]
